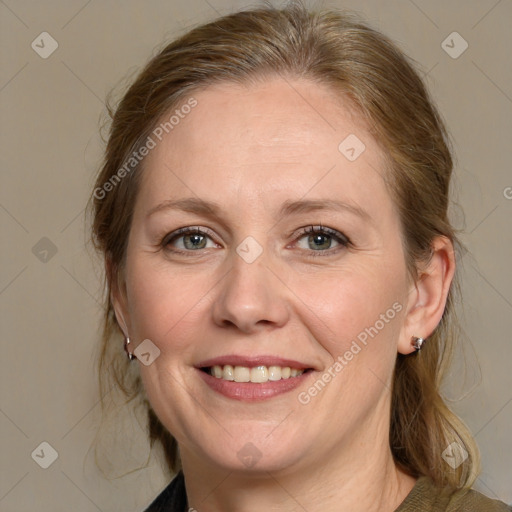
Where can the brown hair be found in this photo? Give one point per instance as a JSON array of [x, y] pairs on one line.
[[336, 49]]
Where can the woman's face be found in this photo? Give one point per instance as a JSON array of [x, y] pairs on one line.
[[264, 238]]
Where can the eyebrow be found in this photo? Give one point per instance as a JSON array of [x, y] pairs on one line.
[[289, 208], [311, 205], [189, 204]]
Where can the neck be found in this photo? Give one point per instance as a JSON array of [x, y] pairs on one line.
[[362, 478]]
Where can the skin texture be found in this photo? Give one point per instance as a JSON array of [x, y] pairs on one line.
[[249, 150]]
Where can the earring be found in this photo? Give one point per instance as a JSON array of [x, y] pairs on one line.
[[417, 343], [128, 353]]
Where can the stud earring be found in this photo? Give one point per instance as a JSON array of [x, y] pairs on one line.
[[417, 343]]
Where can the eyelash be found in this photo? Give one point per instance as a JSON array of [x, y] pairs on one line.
[[180, 233], [340, 238]]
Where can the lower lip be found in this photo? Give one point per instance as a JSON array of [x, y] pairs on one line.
[[250, 391]]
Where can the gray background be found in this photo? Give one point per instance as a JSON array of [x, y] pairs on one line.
[[51, 111]]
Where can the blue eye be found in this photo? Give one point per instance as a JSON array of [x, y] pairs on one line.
[[188, 239], [194, 241], [320, 239], [316, 240]]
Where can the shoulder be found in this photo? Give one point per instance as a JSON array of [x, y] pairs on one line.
[[427, 497], [172, 499], [471, 500]]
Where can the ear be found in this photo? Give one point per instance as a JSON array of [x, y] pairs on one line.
[[428, 295], [118, 296]]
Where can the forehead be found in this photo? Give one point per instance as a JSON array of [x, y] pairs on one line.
[[265, 141]]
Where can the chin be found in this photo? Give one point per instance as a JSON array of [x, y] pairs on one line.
[[254, 454]]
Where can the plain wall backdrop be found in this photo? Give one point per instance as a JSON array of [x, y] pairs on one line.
[[50, 288]]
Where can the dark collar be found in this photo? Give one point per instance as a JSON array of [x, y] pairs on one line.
[[172, 499]]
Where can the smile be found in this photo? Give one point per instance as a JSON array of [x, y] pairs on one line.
[[257, 374]]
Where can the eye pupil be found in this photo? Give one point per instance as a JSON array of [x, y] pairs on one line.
[[319, 241], [194, 241]]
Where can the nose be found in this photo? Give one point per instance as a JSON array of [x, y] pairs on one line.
[[251, 297]]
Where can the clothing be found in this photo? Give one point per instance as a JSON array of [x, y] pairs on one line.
[[172, 499], [424, 497]]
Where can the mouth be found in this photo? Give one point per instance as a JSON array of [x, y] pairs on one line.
[[253, 378], [256, 374]]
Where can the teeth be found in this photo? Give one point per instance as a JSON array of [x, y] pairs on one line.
[[228, 372], [257, 374], [274, 373], [242, 374]]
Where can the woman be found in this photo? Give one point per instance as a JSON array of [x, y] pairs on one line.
[[272, 211]]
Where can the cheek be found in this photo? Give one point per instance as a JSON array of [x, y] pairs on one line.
[[361, 305], [357, 323], [164, 304]]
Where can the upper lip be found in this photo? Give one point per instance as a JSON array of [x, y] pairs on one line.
[[252, 361]]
